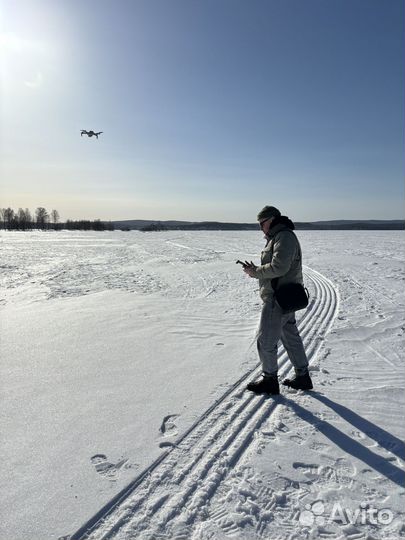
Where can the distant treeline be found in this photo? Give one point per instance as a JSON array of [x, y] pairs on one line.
[[154, 227], [25, 220], [338, 225]]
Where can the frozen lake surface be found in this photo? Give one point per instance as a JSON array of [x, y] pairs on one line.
[[124, 358]]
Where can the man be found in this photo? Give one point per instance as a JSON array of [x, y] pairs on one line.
[[281, 262]]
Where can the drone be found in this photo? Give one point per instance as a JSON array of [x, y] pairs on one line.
[[90, 133]]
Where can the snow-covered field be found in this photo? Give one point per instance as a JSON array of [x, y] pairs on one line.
[[124, 358]]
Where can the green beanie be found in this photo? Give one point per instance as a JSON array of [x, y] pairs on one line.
[[268, 212]]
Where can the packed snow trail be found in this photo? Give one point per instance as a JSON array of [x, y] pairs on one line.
[[174, 491]]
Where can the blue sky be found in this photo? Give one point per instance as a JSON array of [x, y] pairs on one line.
[[210, 109]]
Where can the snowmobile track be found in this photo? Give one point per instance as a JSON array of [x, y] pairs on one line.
[[176, 488]]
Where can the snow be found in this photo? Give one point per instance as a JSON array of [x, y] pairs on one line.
[[124, 358]]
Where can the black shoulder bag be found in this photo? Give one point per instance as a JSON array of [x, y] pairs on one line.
[[291, 296]]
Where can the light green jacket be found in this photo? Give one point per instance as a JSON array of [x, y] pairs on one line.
[[281, 258]]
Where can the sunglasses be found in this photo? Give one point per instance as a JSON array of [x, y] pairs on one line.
[[261, 223]]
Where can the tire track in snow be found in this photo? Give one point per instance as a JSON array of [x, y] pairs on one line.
[[176, 488]]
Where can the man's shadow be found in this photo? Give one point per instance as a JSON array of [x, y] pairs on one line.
[[387, 441]]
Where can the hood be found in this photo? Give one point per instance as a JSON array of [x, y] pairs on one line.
[[278, 224], [284, 221]]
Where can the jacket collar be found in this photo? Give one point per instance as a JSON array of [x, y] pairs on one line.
[[274, 230], [279, 224]]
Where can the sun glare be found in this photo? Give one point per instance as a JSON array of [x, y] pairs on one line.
[[20, 60]]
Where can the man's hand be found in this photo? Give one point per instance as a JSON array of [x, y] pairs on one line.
[[249, 268]]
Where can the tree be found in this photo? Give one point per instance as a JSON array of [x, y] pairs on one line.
[[2, 217], [28, 217], [55, 218], [22, 219], [42, 217], [8, 217]]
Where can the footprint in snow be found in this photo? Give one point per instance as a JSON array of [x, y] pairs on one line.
[[318, 446], [297, 439], [168, 427], [167, 444], [107, 469], [282, 427], [308, 469]]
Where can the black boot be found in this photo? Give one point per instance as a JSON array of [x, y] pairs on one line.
[[266, 385], [300, 382]]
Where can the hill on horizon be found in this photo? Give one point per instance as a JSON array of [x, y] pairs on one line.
[[338, 224]]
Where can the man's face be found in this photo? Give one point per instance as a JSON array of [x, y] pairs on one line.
[[265, 224]]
